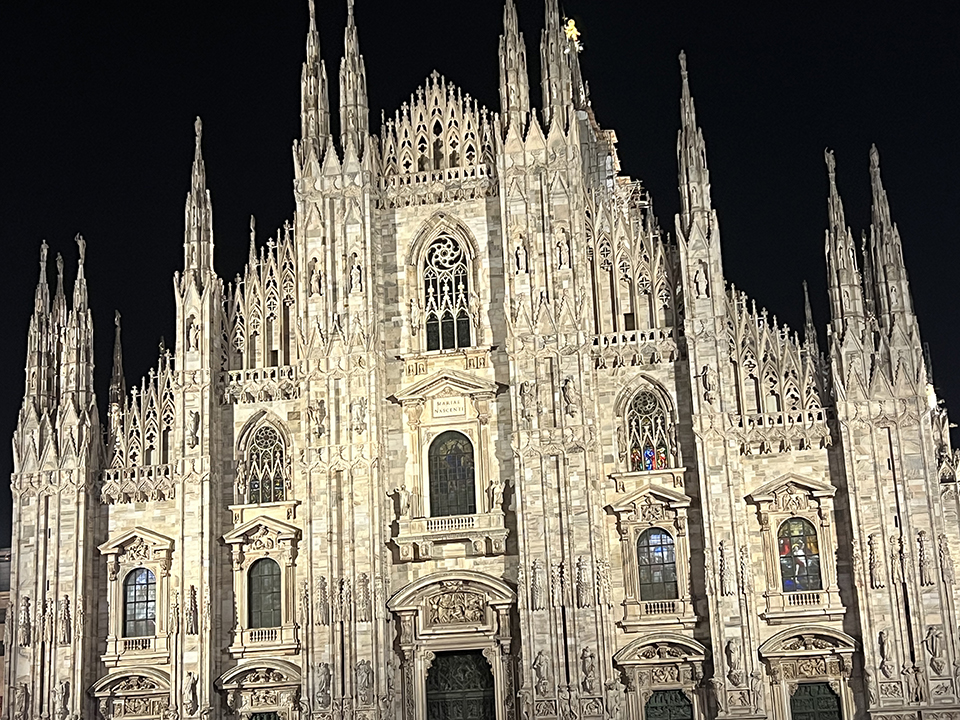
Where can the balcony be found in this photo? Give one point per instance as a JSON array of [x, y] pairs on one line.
[[136, 650], [816, 605], [482, 534], [265, 642]]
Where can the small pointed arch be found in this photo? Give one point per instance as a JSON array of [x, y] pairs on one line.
[[266, 448], [648, 418]]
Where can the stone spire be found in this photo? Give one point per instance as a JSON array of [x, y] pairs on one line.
[[889, 285], [315, 98], [80, 286], [118, 387], [843, 282], [514, 80], [555, 70], [38, 340], [354, 112], [198, 240], [809, 328], [58, 313], [691, 159]]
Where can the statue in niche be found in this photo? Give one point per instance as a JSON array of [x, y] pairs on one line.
[[588, 664], [193, 436], [527, 401], [933, 641], [324, 681], [571, 398], [415, 316], [701, 281], [62, 700], [356, 275], [190, 694], [63, 622], [315, 277], [20, 702], [541, 668], [521, 257], [734, 652], [23, 623], [886, 654], [562, 255], [365, 682]]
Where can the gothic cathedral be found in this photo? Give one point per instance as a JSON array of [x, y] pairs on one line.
[[473, 437]]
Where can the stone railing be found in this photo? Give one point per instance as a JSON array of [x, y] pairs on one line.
[[482, 534]]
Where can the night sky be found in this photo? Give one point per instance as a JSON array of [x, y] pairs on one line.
[[99, 100]]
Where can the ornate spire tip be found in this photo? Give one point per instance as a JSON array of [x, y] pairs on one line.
[[874, 157], [198, 128], [831, 161], [683, 64]]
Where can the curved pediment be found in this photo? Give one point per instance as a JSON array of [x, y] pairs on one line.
[[264, 672], [650, 495], [660, 647], [141, 679], [808, 639], [414, 595]]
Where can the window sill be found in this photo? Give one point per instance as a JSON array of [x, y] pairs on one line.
[[821, 605], [645, 614], [671, 477], [421, 363], [483, 534], [136, 650], [283, 510], [267, 642]]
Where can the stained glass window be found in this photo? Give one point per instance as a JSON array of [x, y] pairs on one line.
[[647, 427], [668, 705], [264, 594], [815, 701], [657, 563], [452, 476], [266, 471], [446, 294], [460, 685], [140, 604], [799, 556]]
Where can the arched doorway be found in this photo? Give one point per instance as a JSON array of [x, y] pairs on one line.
[[668, 705], [815, 701], [460, 687]]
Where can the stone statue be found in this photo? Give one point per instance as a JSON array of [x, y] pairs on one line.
[[716, 689], [324, 680], [23, 623], [537, 599], [62, 700], [886, 657], [541, 668], [588, 664], [946, 561], [925, 559], [521, 258], [871, 687], [933, 641], [613, 699], [728, 580], [20, 702], [190, 694], [365, 682], [356, 276], [193, 436], [63, 622], [876, 566], [571, 398], [734, 652]]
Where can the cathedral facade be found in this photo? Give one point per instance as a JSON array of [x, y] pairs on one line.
[[472, 437]]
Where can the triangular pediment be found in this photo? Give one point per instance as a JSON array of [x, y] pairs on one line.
[[446, 382], [651, 494], [791, 482], [263, 527], [136, 535]]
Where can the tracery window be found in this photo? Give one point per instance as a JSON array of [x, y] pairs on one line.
[[452, 476], [799, 556], [668, 705], [657, 564], [649, 446], [264, 594], [446, 295], [140, 604], [266, 467]]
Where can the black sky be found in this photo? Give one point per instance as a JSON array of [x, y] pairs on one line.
[[98, 101]]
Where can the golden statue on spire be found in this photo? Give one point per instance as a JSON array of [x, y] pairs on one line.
[[573, 35]]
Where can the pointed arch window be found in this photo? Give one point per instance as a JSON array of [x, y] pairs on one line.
[[267, 460], [657, 565], [264, 594], [799, 556], [648, 432], [140, 604], [452, 477], [446, 295]]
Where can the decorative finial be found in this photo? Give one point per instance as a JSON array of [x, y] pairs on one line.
[[874, 158], [350, 11], [683, 64], [82, 245], [253, 229], [313, 14], [198, 129], [116, 319], [570, 30], [43, 255], [831, 162], [60, 267]]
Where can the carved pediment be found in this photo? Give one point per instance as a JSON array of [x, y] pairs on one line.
[[808, 641], [446, 383], [262, 533], [141, 681], [138, 545], [667, 647], [650, 503], [445, 588], [791, 492], [261, 673]]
